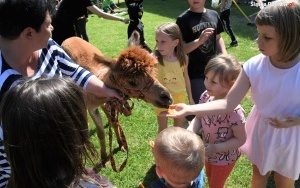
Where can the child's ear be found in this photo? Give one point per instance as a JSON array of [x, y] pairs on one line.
[[152, 144]]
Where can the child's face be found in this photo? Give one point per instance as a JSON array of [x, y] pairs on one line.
[[196, 4], [268, 41], [165, 44], [213, 85]]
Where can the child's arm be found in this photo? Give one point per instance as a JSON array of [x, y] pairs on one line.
[[221, 44], [188, 85], [191, 46], [195, 125], [289, 121], [238, 139]]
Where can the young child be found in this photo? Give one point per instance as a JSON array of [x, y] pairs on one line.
[[201, 30], [46, 135], [109, 5], [222, 134], [273, 126], [179, 158], [172, 68], [135, 12]]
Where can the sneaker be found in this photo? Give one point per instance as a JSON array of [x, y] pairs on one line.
[[233, 44]]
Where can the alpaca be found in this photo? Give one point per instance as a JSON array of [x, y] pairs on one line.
[[132, 73]]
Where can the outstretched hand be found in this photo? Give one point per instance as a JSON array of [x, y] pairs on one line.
[[126, 20], [287, 122], [178, 111]]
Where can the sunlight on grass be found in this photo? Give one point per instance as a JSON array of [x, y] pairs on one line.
[[141, 127]]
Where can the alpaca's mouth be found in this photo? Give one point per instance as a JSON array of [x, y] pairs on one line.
[[162, 105]]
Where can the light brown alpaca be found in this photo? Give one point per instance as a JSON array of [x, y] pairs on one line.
[[132, 73]]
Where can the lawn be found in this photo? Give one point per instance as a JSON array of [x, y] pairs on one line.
[[141, 127]]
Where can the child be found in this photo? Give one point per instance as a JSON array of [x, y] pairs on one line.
[[272, 127], [109, 5], [135, 12], [179, 158], [201, 31], [46, 135], [225, 7], [172, 68], [28, 51], [222, 134]]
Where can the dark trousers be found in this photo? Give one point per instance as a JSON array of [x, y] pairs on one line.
[[80, 28], [224, 16], [139, 27]]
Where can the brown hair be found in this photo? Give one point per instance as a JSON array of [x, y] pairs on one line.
[[46, 133], [173, 31], [226, 66], [284, 16]]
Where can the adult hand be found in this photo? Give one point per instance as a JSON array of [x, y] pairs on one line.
[[287, 122], [126, 20], [179, 110], [112, 93]]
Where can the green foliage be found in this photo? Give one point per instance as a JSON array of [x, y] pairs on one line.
[[141, 127]]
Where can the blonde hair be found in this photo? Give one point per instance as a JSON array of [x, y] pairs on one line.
[[173, 31], [284, 16], [179, 153], [226, 66]]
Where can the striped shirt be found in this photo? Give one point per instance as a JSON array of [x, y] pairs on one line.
[[52, 61]]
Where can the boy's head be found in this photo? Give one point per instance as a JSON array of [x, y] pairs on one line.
[[179, 156]]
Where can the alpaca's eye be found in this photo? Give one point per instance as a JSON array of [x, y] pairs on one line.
[[133, 83]]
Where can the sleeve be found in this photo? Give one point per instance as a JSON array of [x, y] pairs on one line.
[[66, 65], [183, 29], [220, 27], [4, 166]]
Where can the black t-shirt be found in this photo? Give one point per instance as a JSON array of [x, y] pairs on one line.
[[135, 9], [191, 25], [64, 17]]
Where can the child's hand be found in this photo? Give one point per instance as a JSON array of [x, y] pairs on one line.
[[210, 149], [287, 122], [206, 33]]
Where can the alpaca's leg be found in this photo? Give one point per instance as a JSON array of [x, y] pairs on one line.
[[96, 116]]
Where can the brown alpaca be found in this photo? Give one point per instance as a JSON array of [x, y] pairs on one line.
[[132, 73]]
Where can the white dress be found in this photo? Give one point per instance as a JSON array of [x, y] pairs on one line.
[[275, 93]]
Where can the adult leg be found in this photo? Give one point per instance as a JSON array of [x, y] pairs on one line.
[[283, 182], [258, 180], [81, 28]]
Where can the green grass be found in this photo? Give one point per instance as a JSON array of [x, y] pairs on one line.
[[141, 127]]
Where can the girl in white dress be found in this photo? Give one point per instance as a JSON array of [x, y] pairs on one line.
[[273, 126]]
